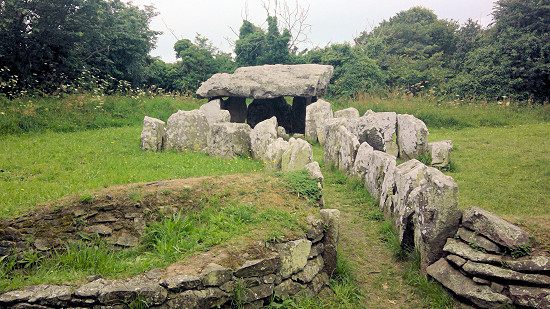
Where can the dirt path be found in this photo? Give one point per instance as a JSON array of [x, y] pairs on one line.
[[378, 275]]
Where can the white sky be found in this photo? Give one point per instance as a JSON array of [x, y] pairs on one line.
[[332, 21]]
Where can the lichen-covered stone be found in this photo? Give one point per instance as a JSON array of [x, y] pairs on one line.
[[481, 295], [153, 135], [348, 149], [530, 297], [530, 264], [316, 113], [457, 247], [297, 155], [349, 113], [269, 81], [325, 128], [187, 130], [211, 110], [123, 291], [440, 153], [331, 219], [257, 292], [412, 136], [181, 282], [455, 259], [281, 132], [223, 116], [293, 256], [478, 240], [495, 228], [373, 167], [312, 268], [228, 140], [274, 154], [259, 267], [377, 129], [44, 294], [487, 270], [198, 299], [288, 288], [263, 134], [314, 171], [215, 275], [436, 214], [91, 289]]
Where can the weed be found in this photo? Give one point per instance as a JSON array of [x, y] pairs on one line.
[[86, 198], [299, 182], [135, 195], [390, 237], [425, 158], [136, 302], [238, 294], [522, 250]]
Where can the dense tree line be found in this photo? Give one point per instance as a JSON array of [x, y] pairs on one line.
[[49, 45]]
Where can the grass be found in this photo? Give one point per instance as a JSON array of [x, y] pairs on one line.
[[39, 167]]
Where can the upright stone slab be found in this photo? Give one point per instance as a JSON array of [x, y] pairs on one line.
[[237, 108], [274, 154], [331, 219], [437, 215], [262, 109], [211, 110], [153, 134], [269, 81], [377, 129], [223, 116], [228, 139], [297, 156], [263, 134], [379, 165], [412, 136], [348, 149], [440, 153], [332, 140], [362, 159], [315, 114], [495, 228], [349, 113], [187, 130]]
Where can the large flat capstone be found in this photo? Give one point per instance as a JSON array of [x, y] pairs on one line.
[[269, 81]]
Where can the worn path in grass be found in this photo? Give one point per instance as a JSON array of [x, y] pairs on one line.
[[376, 272]]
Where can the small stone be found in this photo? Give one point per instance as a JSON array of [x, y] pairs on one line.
[[92, 289], [479, 240], [530, 264], [126, 240], [153, 134], [259, 267], [42, 244], [316, 250], [104, 218], [349, 113], [316, 229], [440, 153], [455, 259], [99, 229], [531, 297], [123, 291], [481, 281], [288, 288], [314, 171], [181, 282], [311, 269], [293, 256], [257, 292], [459, 248], [215, 275]]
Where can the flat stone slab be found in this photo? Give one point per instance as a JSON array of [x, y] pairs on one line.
[[457, 247], [486, 270], [269, 81]]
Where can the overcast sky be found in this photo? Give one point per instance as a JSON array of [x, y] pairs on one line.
[[332, 21]]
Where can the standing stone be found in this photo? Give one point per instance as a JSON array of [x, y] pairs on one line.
[[237, 108], [331, 219], [412, 136], [326, 127], [379, 166], [228, 139], [437, 215], [481, 295], [377, 129], [153, 134], [297, 156], [440, 153], [349, 113], [262, 109], [299, 113], [332, 140], [348, 149], [211, 110], [263, 134], [315, 114], [495, 228], [187, 130], [274, 154]]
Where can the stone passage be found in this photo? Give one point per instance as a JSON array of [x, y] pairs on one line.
[[268, 85]]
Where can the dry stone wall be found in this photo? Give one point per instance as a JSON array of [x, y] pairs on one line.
[[301, 266]]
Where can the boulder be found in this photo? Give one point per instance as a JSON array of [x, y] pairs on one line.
[[187, 130], [315, 114], [269, 81], [452, 279], [331, 219], [437, 215], [495, 228], [348, 149], [262, 109], [263, 134], [237, 108], [492, 271], [153, 134], [228, 139], [412, 136], [211, 110], [223, 116], [440, 153], [349, 113], [293, 256], [314, 171], [274, 154], [297, 155]]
